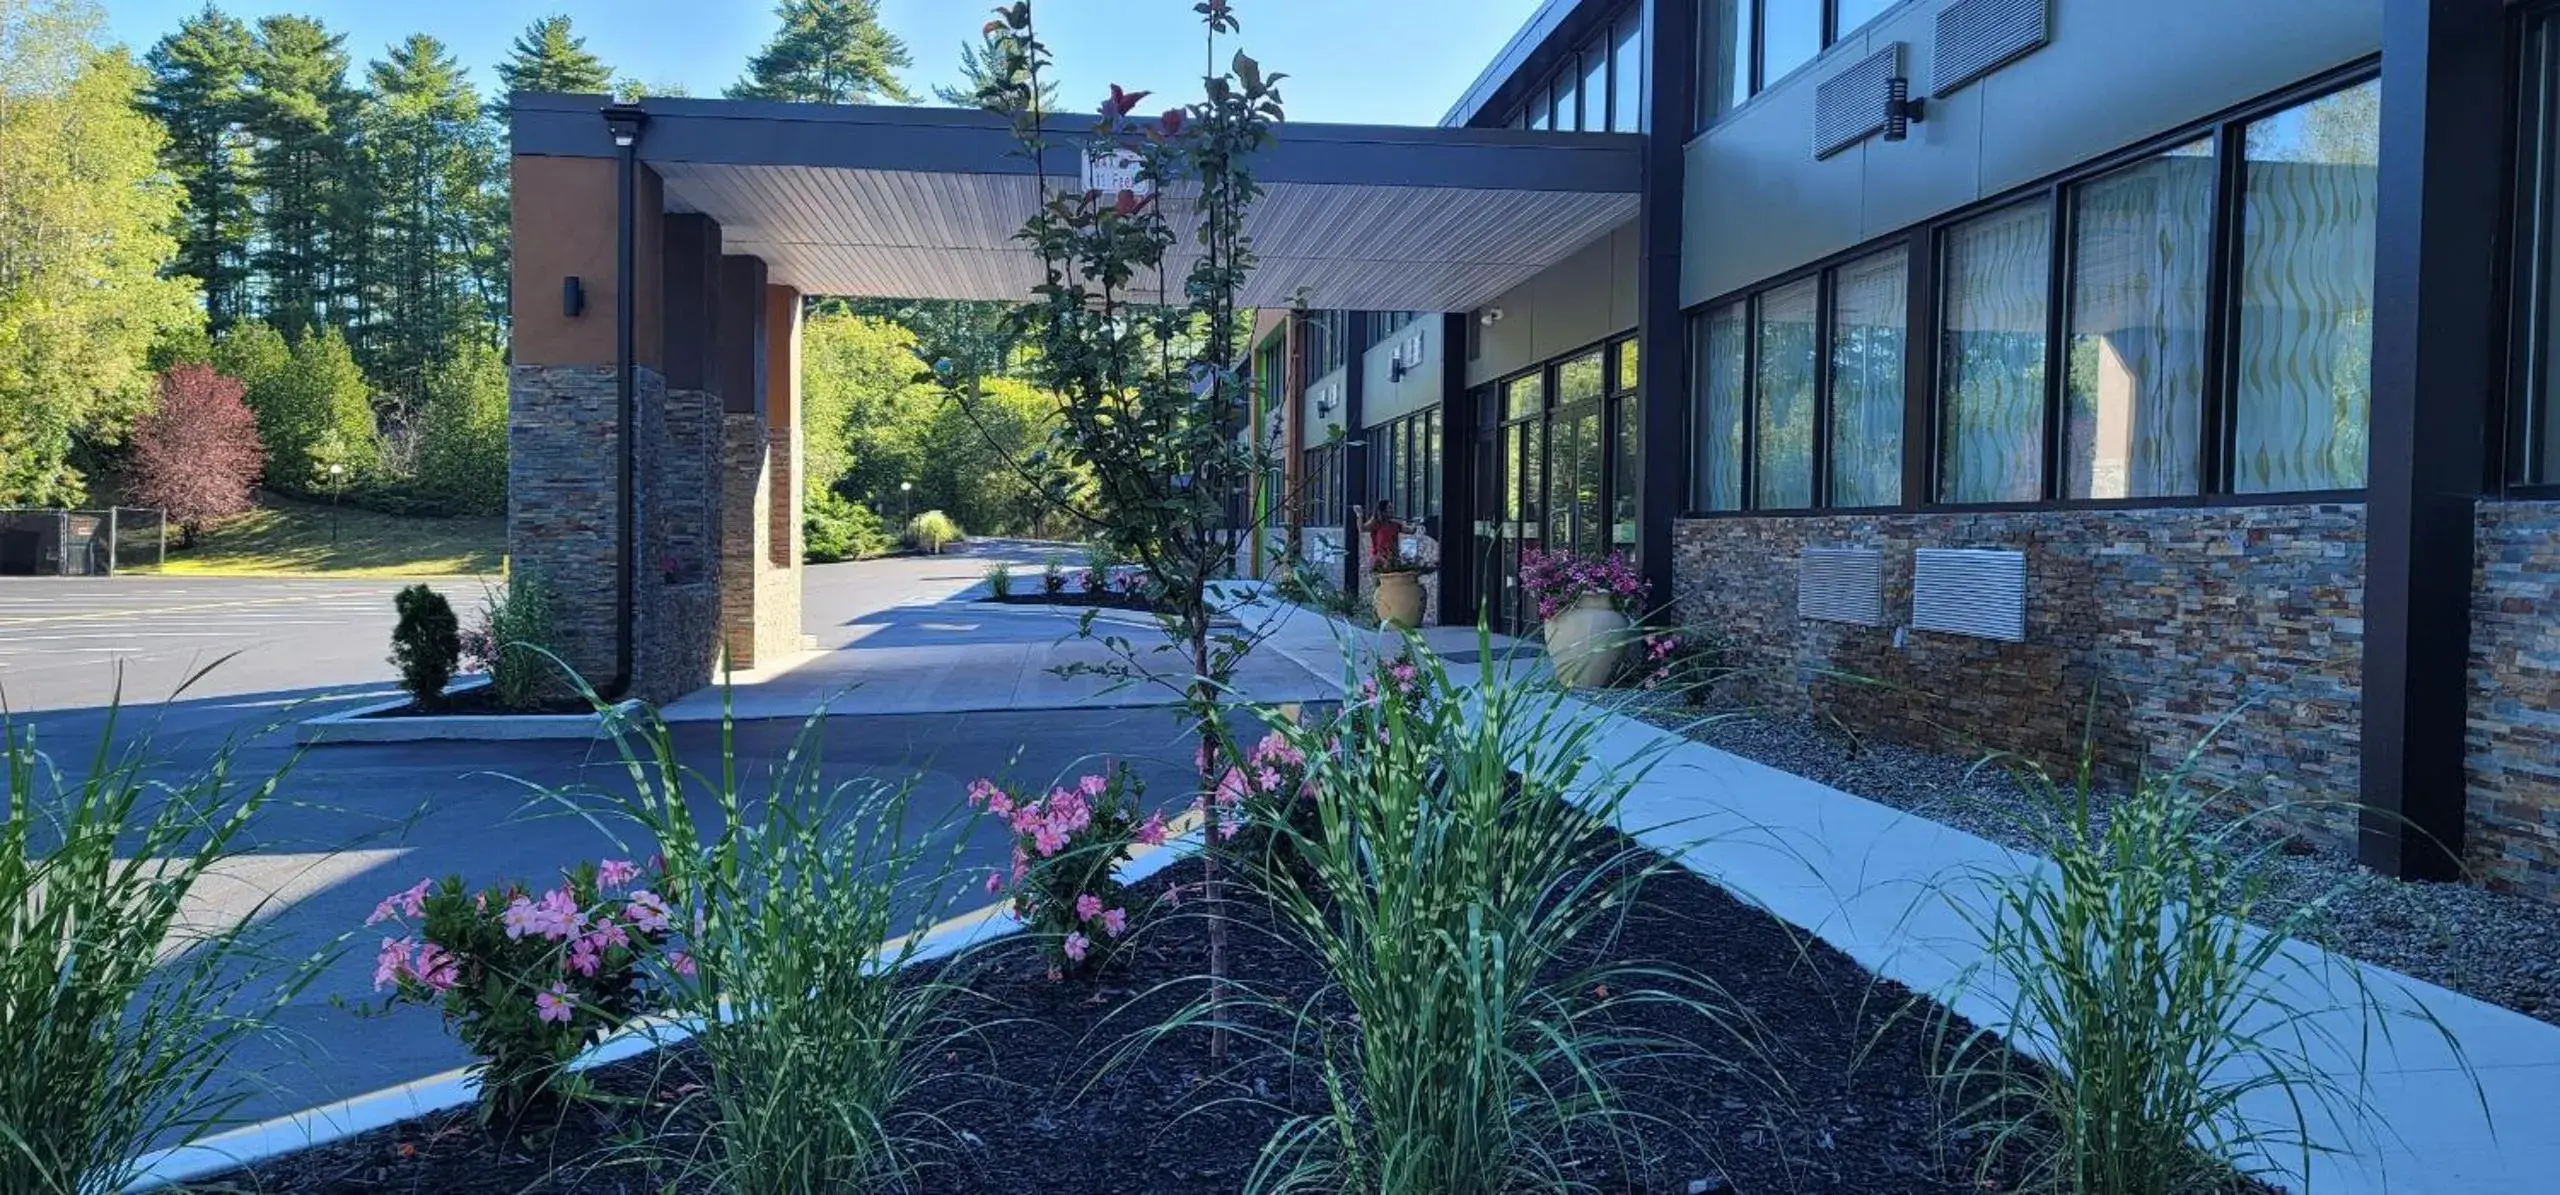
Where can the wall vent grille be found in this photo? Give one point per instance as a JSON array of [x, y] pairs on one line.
[[1965, 591], [1977, 37], [1849, 107], [1841, 585]]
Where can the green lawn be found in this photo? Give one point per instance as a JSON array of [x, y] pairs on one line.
[[285, 537]]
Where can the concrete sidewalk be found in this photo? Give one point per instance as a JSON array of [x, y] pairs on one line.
[[1892, 891]]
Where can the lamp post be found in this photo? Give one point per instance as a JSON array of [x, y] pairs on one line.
[[906, 500], [337, 486]]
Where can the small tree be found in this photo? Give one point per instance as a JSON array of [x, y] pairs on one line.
[[462, 450], [1153, 395], [426, 646], [198, 456]]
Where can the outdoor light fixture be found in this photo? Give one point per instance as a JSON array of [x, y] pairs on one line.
[[1900, 110], [625, 121], [1491, 316], [573, 297]]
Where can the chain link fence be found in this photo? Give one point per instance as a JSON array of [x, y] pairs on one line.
[[81, 543]]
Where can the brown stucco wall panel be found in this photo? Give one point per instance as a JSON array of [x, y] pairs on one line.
[[564, 224]]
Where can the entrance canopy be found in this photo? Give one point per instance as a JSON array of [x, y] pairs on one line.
[[923, 203]]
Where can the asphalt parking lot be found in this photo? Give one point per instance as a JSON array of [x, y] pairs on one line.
[[67, 643]]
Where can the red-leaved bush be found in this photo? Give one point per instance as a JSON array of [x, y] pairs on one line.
[[196, 457]]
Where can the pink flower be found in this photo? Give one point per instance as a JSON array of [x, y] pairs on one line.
[[555, 917], [1088, 906], [649, 911], [615, 873], [582, 958], [1152, 832], [1115, 922], [1093, 786], [995, 882], [1269, 779], [437, 968], [680, 963], [608, 935], [1077, 945], [1048, 840], [392, 964], [411, 903], [1021, 865], [553, 1006]]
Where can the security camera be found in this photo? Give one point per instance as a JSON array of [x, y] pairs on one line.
[[1491, 316]]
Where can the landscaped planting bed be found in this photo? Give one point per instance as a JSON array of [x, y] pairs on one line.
[[1837, 1096], [2498, 947]]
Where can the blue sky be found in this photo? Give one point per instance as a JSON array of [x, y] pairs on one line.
[[1366, 61]]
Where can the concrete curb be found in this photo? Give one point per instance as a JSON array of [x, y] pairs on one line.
[[361, 725], [338, 1120]]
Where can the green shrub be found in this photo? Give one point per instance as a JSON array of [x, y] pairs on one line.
[[1456, 880], [462, 434], [834, 529], [2133, 968], [426, 644], [513, 643], [930, 531], [122, 1008], [801, 905], [1000, 579]]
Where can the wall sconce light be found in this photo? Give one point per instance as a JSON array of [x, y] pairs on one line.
[[573, 297], [1325, 404], [1396, 369], [1491, 316], [1900, 110]]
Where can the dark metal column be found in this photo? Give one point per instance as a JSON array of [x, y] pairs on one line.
[[2434, 343], [625, 123], [1458, 513], [1355, 449], [1662, 398]]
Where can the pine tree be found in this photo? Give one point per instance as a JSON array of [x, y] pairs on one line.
[[200, 94], [548, 57], [430, 160], [978, 65], [827, 52], [304, 114]]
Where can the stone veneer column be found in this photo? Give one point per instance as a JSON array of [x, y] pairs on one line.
[[746, 497], [778, 589]]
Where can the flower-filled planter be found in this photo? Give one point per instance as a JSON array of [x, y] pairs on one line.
[[1582, 601]]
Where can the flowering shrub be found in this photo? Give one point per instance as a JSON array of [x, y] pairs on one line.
[[1066, 847], [526, 979], [1271, 780], [1053, 578], [1559, 579], [1678, 660]]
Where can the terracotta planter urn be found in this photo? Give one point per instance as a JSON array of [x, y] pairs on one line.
[[1399, 600], [1586, 641]]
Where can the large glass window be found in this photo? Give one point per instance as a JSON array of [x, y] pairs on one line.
[[2537, 245], [1626, 473], [1595, 86], [1993, 304], [1727, 41], [2305, 338], [2141, 245], [1782, 456], [1715, 410], [1870, 301], [1790, 36], [1523, 397], [1626, 76]]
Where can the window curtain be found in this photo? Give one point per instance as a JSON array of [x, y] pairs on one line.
[[2306, 296], [1993, 306], [1716, 413], [2141, 243], [1869, 304], [1783, 454]]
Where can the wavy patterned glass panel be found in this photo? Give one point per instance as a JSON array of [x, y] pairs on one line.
[[2306, 295], [1715, 422], [1870, 298], [1783, 456], [1993, 304], [2142, 238]]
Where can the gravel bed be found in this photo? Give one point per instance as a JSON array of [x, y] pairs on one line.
[[2497, 947]]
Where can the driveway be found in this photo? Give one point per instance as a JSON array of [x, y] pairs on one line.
[[356, 822]]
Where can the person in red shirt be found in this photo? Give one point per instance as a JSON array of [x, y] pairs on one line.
[[1384, 533]]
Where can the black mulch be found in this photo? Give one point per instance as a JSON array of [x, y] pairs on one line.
[[1078, 598], [483, 701], [1859, 1113]]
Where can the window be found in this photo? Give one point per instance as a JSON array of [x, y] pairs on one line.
[[1627, 473], [1566, 115], [2305, 335], [1626, 76], [1870, 298], [1782, 452], [1715, 407], [2134, 384], [1542, 114], [1387, 325], [1746, 45], [1321, 479], [1595, 87], [1993, 308], [1524, 397]]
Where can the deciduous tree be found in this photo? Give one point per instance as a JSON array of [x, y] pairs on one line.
[[198, 456]]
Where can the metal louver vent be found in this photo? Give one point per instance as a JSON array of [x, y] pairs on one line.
[[1964, 591], [1977, 37], [1849, 106], [1841, 585]]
